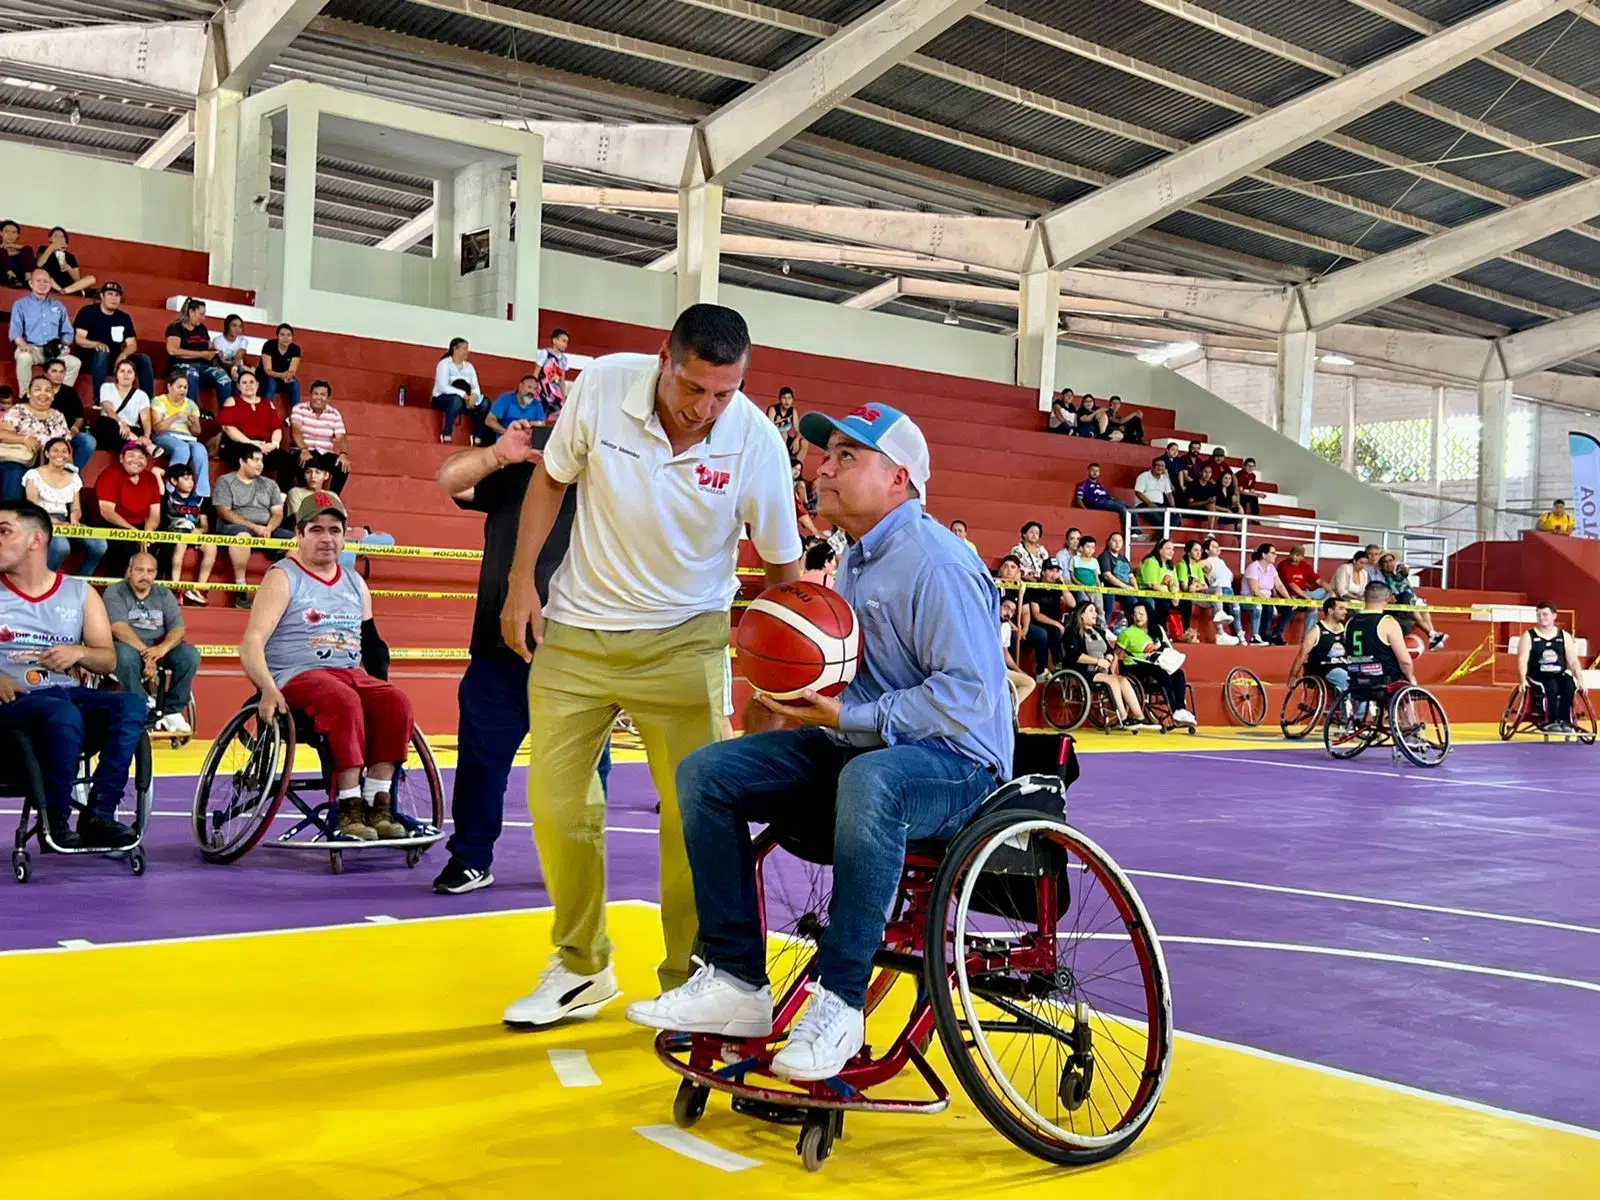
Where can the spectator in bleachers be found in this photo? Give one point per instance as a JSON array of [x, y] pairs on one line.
[[1395, 573], [456, 390], [1142, 643], [1245, 480], [189, 346], [148, 632], [959, 528], [1299, 576], [1046, 617], [552, 365], [25, 431], [130, 498], [1174, 458], [248, 419], [183, 510], [1158, 573], [1030, 552], [69, 404], [279, 368], [1010, 639], [522, 404], [174, 423], [1219, 582], [1228, 485], [316, 476], [1083, 569], [1558, 520], [1091, 493], [62, 265], [106, 336], [1091, 651], [1203, 494], [1116, 572], [246, 502], [54, 486], [1189, 570], [1069, 543], [1350, 579], [821, 563], [1092, 419], [16, 260], [232, 347], [783, 414], [41, 330], [1261, 579], [1063, 413], [1125, 425], [1152, 493], [318, 428], [1009, 571], [804, 501], [124, 412]]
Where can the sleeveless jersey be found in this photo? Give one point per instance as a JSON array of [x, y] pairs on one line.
[[1548, 655], [321, 628], [30, 625], [1371, 658], [1329, 652]]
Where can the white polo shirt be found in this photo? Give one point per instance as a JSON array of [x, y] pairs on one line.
[[656, 536]]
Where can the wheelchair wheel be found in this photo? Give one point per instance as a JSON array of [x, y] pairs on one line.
[[1419, 727], [1344, 734], [1303, 706], [242, 784], [1583, 718], [418, 794], [1245, 697], [1049, 989], [1064, 701], [1516, 712], [792, 894]]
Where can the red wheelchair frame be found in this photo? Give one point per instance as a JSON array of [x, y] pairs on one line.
[[1522, 715]]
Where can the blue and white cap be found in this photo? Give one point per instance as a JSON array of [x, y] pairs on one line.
[[887, 430]]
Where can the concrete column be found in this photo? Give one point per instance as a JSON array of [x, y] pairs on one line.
[[1347, 446], [1494, 413], [1297, 371], [1038, 319], [481, 199], [216, 179], [299, 208], [699, 243], [1436, 452]]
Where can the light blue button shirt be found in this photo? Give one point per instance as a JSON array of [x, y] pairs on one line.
[[39, 321], [931, 669]]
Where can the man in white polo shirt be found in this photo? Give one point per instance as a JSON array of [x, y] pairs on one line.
[[675, 461]]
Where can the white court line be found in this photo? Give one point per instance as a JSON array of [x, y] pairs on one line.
[[76, 944], [572, 1068], [187, 815], [702, 1151], [1405, 960], [1349, 898], [383, 919], [1433, 781]]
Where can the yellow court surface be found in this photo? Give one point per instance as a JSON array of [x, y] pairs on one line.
[[213, 1068]]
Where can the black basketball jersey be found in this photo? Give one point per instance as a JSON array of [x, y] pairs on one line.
[[1371, 658], [1329, 652], [1548, 655]]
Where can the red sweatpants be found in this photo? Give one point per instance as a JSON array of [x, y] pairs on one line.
[[365, 720]]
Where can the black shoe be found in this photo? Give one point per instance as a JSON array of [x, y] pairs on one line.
[[457, 879], [104, 833], [61, 834]]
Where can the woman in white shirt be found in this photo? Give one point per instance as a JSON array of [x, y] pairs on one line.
[[1030, 551], [54, 486], [1219, 579], [124, 413], [231, 346], [456, 390]]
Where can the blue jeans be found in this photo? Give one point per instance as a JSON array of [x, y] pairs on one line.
[[493, 700], [270, 387], [1222, 606], [94, 549], [11, 480], [1276, 620], [872, 801], [99, 363], [183, 660], [1338, 679], [219, 379], [186, 450], [83, 448], [452, 404], [59, 722], [1111, 504]]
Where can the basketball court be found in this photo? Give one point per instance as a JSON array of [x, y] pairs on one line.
[[1384, 982]]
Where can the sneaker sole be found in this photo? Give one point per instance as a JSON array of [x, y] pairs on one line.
[[803, 1076], [581, 1013], [474, 885], [728, 1029]]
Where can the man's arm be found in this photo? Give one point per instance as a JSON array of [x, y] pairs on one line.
[[1306, 643], [271, 602], [274, 518], [1574, 663], [1390, 628], [1524, 649], [152, 519], [540, 506], [176, 630], [97, 652], [460, 473], [768, 509], [123, 632]]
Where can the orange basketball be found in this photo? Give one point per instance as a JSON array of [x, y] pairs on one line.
[[1416, 644], [798, 637]]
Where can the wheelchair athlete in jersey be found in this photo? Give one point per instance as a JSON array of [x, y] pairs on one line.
[[254, 765], [1019, 943], [1525, 713], [1375, 710]]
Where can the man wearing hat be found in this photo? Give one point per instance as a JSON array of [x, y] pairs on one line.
[[917, 740], [311, 647]]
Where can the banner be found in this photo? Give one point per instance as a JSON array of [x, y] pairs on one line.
[[1585, 448]]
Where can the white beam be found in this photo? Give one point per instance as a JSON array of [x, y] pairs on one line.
[[170, 146], [411, 233], [748, 128], [1101, 219], [666, 262], [874, 297], [256, 32], [1251, 306], [995, 242], [1494, 417], [1038, 327], [654, 154], [1549, 345], [1465, 359], [166, 56], [1355, 290], [699, 243]]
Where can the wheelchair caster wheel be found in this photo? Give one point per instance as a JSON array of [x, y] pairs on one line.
[[136, 862], [21, 866], [816, 1140], [336, 862], [413, 857], [689, 1105]]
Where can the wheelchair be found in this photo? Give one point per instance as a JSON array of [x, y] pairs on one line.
[[1406, 716], [1067, 700], [1153, 698], [1304, 705], [1245, 697], [157, 699], [1026, 949], [251, 769], [1524, 713], [21, 777]]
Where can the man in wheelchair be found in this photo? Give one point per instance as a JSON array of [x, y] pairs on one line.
[[51, 624], [1376, 644], [918, 739], [310, 630], [1323, 648], [1547, 658]]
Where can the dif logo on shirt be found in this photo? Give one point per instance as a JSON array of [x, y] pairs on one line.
[[707, 480]]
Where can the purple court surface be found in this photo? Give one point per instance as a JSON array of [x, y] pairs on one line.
[[1439, 929]]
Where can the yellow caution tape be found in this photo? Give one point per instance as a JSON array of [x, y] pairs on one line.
[[364, 549], [420, 655], [391, 593]]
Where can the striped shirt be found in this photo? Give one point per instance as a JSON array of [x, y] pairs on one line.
[[317, 430]]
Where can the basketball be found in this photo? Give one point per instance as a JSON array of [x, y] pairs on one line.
[[1415, 644], [798, 637]]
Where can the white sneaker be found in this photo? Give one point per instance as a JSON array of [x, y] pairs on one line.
[[826, 1037], [1225, 618], [1227, 639], [1437, 641], [173, 722], [709, 1003], [562, 995], [1184, 717]]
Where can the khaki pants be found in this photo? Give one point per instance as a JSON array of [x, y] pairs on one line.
[[31, 356], [673, 683]]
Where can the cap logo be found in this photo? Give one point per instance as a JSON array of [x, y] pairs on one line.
[[865, 413], [326, 498]]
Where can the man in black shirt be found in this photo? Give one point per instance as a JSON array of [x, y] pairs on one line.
[[105, 335], [493, 696], [67, 402]]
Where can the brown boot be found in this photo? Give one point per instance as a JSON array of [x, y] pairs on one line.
[[381, 818], [353, 821]]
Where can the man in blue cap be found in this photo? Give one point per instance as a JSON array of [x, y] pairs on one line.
[[918, 739]]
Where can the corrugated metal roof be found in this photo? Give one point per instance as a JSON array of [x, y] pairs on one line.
[[1423, 139], [1337, 29]]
